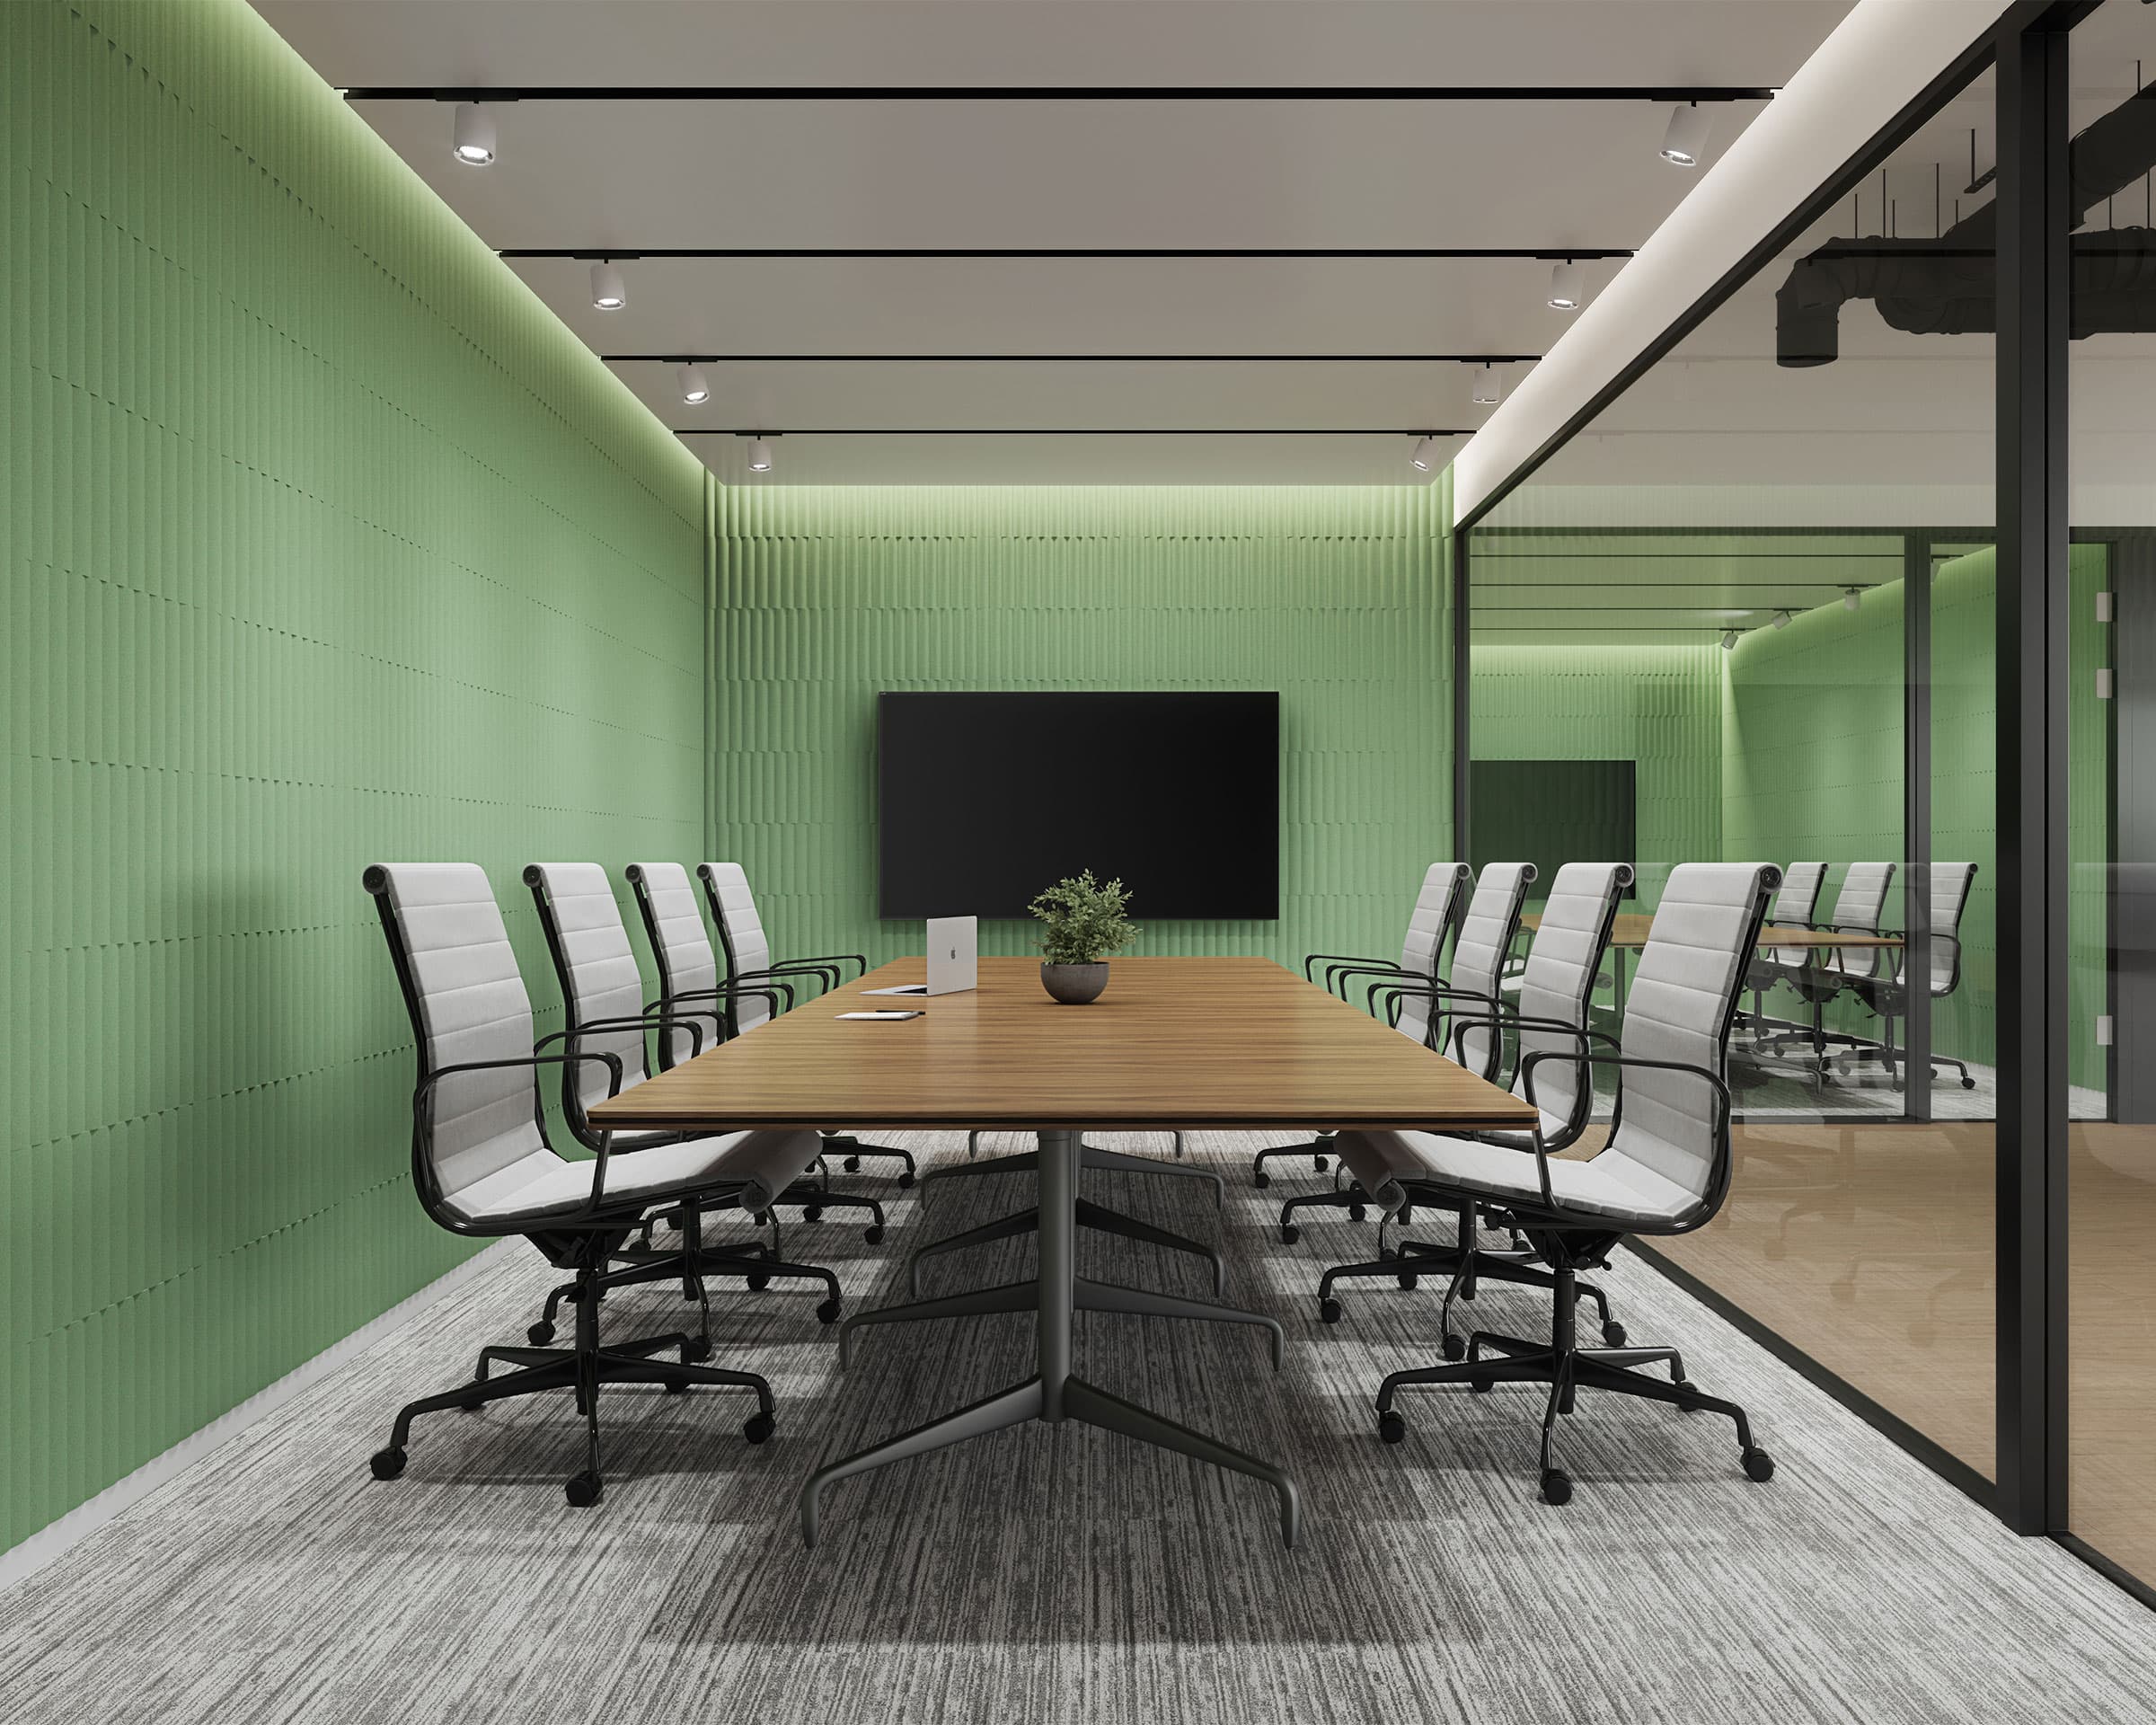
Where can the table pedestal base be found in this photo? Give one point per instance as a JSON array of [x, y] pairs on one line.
[[1055, 1393]]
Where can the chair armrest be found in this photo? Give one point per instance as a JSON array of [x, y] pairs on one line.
[[860, 964], [613, 1062], [1309, 958], [1337, 961], [1721, 1178], [771, 994]]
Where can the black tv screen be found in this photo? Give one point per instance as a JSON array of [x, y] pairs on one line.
[[983, 800], [1550, 813]]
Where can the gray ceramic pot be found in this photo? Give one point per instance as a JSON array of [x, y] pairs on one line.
[[1075, 984]]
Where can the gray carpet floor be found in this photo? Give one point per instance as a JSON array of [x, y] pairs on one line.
[[1066, 1574]]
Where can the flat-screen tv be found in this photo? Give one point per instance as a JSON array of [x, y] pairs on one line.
[[985, 799], [1550, 813]]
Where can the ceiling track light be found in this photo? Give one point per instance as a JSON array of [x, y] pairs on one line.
[[1426, 456], [609, 292], [1852, 599], [695, 389], [1780, 619], [473, 140], [759, 455], [1564, 286], [1728, 641], [1488, 391], [1685, 140]]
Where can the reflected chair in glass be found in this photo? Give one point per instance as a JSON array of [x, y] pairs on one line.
[[1664, 1169], [1444, 887], [1887, 995], [1829, 971], [482, 1166], [1795, 907]]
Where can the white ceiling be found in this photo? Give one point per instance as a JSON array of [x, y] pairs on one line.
[[627, 174]]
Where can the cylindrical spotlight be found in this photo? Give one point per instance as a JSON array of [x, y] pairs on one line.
[[1782, 619], [1564, 286], [694, 389], [472, 142], [609, 292], [1728, 641], [759, 455], [1427, 455], [1686, 139], [1487, 388], [1853, 600]]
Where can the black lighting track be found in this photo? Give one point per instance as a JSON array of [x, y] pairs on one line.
[[629, 255], [1071, 431], [1070, 359], [1057, 93]]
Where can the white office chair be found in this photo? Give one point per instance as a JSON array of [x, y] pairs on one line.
[[749, 963], [1444, 887], [1830, 970], [1556, 988], [1485, 929], [1795, 907], [1665, 1169], [482, 1166], [602, 999], [1887, 995]]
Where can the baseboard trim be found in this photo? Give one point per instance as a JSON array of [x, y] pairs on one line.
[[54, 1539]]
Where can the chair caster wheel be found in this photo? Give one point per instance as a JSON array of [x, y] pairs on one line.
[[1262, 1179], [757, 1280], [674, 1387], [1614, 1334], [582, 1491], [873, 1234], [1406, 1218], [827, 1313], [1481, 1385], [757, 1427], [1390, 1427], [813, 1213], [1456, 1346], [696, 1351], [1289, 1234], [1319, 1163], [906, 1179], [387, 1464], [1410, 1280], [1759, 1466], [540, 1334], [1328, 1310], [852, 1165], [1968, 1084], [1356, 1212], [1556, 1486]]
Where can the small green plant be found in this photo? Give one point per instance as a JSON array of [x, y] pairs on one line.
[[1084, 920]]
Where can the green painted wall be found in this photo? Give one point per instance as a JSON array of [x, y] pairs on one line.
[[1658, 706], [324, 543], [1335, 597]]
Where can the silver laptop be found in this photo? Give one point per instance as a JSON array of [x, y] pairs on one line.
[[954, 945]]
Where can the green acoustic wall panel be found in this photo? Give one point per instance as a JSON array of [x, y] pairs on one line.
[[1338, 598], [325, 543], [1658, 706]]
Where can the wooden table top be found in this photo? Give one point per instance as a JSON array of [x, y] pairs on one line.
[[1629, 930], [1173, 1043]]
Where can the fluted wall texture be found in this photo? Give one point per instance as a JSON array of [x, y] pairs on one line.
[[1338, 598], [324, 543], [1658, 707]]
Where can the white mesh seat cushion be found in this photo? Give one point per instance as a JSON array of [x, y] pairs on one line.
[[686, 963], [735, 907], [1617, 1187], [1427, 923], [472, 1006], [1493, 914], [765, 1162], [603, 981]]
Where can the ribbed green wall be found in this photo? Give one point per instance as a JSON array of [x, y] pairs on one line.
[[1338, 598], [325, 543], [1659, 707]]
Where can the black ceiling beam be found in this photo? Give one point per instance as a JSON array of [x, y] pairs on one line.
[[1059, 93], [1072, 431], [593, 254], [1069, 358]]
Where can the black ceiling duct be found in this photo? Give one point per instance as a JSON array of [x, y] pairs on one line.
[[1946, 286]]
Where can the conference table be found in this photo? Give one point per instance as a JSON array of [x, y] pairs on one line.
[[1175, 1044], [1629, 930]]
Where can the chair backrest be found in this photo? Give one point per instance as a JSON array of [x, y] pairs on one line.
[[1950, 884], [1684, 996], [596, 970], [683, 951], [1443, 887], [1796, 904], [1860, 903], [740, 931], [467, 1003], [1486, 932], [1559, 981]]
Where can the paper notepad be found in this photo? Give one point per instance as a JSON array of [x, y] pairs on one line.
[[903, 989], [887, 1011]]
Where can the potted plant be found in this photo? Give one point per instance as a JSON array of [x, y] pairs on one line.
[[1084, 923]]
